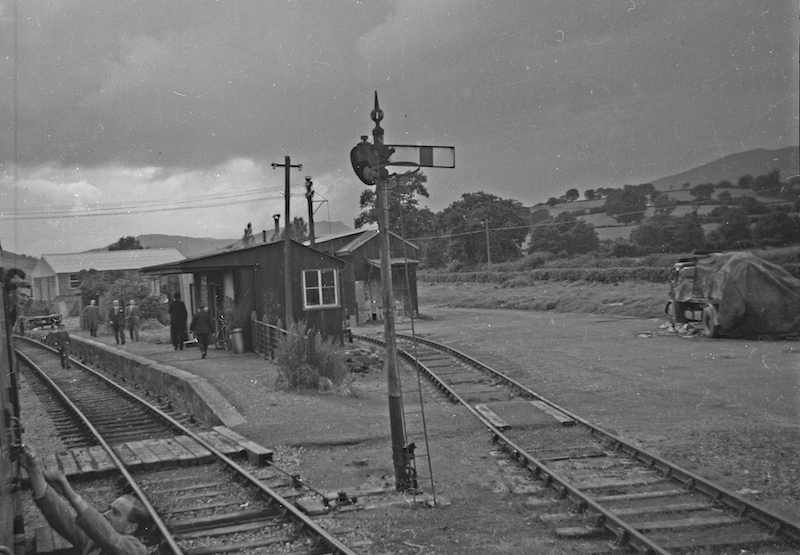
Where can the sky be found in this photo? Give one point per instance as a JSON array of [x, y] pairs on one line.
[[143, 116]]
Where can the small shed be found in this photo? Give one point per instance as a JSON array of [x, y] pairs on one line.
[[361, 282], [244, 279]]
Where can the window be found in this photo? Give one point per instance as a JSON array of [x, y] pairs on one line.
[[320, 288], [74, 281]]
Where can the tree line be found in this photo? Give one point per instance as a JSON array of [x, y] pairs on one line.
[[481, 227]]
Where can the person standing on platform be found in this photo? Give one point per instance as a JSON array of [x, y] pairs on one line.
[[177, 322], [91, 317], [202, 327], [132, 320], [117, 320]]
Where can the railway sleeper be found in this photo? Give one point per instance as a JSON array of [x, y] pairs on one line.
[[240, 546], [741, 537], [226, 519]]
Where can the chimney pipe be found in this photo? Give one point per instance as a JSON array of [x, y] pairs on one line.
[[277, 218]]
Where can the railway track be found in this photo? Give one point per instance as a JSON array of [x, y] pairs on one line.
[[590, 485], [202, 501]]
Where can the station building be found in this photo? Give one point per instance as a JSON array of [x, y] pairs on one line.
[[56, 279]]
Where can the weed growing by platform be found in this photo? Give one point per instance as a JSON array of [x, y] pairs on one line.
[[305, 361]]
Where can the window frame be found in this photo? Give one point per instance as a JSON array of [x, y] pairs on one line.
[[319, 289], [74, 281]]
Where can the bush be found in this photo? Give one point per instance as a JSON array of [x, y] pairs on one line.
[[153, 331], [306, 362]]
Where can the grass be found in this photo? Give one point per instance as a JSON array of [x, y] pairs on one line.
[[638, 299]]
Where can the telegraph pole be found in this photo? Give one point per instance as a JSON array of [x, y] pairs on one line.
[[287, 255]]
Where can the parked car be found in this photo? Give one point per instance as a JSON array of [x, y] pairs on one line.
[[734, 294]]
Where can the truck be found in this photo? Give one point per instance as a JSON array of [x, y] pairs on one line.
[[734, 294]]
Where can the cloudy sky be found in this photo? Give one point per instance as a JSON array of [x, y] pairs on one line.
[[153, 116]]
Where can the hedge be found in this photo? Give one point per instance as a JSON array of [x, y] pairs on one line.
[[529, 277]]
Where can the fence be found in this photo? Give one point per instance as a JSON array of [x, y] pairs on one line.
[[265, 338]]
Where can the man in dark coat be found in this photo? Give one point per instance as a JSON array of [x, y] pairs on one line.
[[117, 318], [177, 322], [61, 343], [91, 317], [202, 327]]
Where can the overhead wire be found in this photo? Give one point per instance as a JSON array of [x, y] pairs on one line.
[[144, 206]]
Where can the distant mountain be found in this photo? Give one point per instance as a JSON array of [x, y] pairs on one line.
[[194, 246], [187, 246], [732, 167]]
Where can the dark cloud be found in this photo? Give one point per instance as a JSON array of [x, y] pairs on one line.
[[537, 97]]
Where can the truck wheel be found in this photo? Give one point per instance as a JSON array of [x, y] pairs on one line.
[[710, 326]]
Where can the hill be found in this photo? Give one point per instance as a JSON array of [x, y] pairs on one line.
[[22, 261], [187, 246], [732, 167], [194, 246]]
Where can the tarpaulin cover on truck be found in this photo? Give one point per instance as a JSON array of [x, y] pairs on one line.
[[754, 297]]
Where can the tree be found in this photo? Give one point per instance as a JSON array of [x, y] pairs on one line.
[[663, 233], [724, 196], [777, 229], [508, 221], [654, 234], [733, 232], [124, 290], [703, 191], [405, 215], [745, 181], [626, 205], [688, 235], [94, 284], [663, 204], [540, 215], [299, 229], [564, 234], [767, 182], [552, 201], [572, 195], [589, 194], [126, 244]]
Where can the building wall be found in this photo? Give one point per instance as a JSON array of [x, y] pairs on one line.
[[258, 284]]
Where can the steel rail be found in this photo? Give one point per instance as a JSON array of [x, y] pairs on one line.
[[274, 498], [623, 531], [162, 528], [742, 506]]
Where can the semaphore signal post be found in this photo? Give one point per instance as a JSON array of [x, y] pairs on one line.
[[370, 162]]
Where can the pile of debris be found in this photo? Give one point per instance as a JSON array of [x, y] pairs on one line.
[[363, 359]]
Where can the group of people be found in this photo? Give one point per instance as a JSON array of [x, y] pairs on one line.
[[128, 318], [201, 325], [119, 318]]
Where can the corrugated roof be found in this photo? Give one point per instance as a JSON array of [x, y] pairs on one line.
[[361, 237], [103, 261]]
